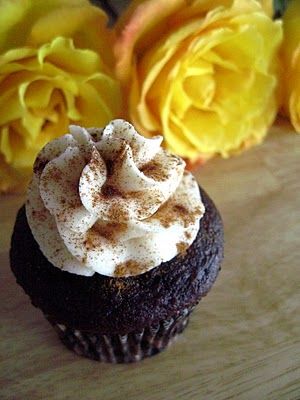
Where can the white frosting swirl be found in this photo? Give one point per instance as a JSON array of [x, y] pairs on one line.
[[111, 201]]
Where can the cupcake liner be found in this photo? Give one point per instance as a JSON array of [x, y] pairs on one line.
[[128, 348]]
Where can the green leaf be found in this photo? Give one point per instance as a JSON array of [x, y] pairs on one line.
[[280, 7]]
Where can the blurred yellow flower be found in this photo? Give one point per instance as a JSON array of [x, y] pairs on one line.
[[55, 63], [291, 63], [268, 6], [201, 72]]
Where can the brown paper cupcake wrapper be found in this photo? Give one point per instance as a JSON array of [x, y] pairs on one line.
[[123, 348]]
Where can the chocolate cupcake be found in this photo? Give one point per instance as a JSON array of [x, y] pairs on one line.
[[116, 244]]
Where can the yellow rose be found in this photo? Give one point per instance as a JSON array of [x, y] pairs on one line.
[[201, 72], [291, 63], [55, 63], [268, 6]]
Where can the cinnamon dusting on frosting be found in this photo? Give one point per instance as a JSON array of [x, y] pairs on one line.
[[187, 235], [109, 230], [113, 196], [92, 240], [154, 170], [96, 166], [182, 247], [39, 215], [69, 207], [111, 191], [130, 267], [169, 213], [116, 213], [56, 174]]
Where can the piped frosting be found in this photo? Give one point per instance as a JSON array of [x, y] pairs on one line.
[[111, 201]]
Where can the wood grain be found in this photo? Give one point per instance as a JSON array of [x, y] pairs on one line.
[[243, 341]]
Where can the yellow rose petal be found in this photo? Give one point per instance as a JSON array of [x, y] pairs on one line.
[[205, 77], [294, 106], [93, 109], [176, 139], [5, 146], [134, 26], [200, 89], [55, 69], [35, 93], [181, 99], [10, 107], [139, 108], [11, 13], [61, 53], [14, 56]]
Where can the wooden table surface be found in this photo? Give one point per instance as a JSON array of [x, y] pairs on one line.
[[243, 341]]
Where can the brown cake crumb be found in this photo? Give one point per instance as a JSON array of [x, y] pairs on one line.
[[118, 284], [130, 267]]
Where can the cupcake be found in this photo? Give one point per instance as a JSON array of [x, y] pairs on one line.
[[116, 243]]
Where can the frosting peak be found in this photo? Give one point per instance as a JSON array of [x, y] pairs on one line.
[[99, 201]]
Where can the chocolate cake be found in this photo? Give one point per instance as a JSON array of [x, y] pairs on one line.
[[117, 306]]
